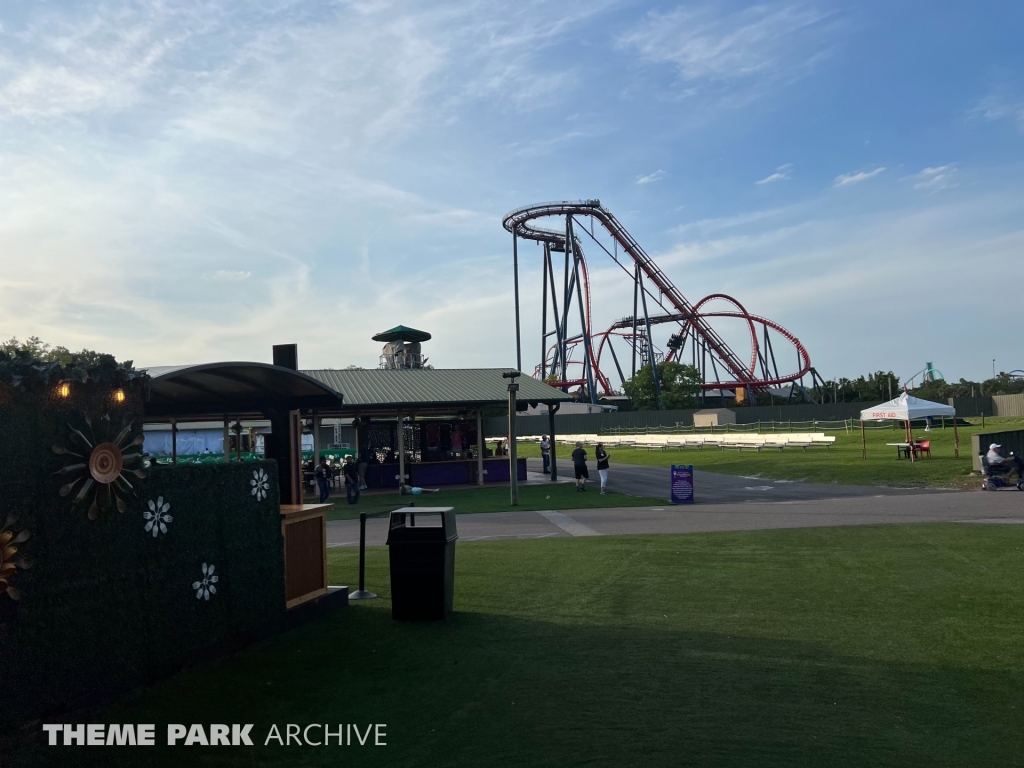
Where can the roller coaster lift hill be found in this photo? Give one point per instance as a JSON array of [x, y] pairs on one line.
[[578, 359]]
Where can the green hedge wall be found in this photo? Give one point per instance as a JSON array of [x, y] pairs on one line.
[[106, 606]]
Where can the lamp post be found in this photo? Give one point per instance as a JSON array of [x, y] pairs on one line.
[[513, 464]]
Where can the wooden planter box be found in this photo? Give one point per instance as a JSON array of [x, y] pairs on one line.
[[304, 527]]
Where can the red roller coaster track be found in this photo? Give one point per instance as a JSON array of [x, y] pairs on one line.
[[729, 372]]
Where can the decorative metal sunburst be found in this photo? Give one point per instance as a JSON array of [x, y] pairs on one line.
[[9, 564], [104, 467]]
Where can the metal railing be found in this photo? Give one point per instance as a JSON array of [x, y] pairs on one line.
[[403, 360]]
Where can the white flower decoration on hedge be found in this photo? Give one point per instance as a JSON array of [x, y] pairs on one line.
[[206, 587], [260, 484], [157, 517]]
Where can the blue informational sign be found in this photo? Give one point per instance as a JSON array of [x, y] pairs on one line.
[[682, 484]]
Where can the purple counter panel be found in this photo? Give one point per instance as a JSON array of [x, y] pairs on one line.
[[497, 470], [439, 473]]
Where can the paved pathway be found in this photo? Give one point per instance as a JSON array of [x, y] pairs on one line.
[[801, 505], [715, 488]]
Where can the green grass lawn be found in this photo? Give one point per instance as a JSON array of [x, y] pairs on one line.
[[842, 463], [494, 499], [859, 646]]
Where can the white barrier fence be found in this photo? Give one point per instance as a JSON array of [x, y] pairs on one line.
[[722, 441]]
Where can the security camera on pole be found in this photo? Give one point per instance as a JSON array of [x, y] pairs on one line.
[[513, 463]]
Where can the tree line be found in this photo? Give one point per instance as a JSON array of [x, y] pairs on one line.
[[679, 386]]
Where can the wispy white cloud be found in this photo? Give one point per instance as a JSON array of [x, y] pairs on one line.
[[702, 249], [940, 177], [454, 218], [57, 67], [704, 227], [545, 146], [183, 150], [651, 177], [229, 275], [846, 179], [781, 173], [1000, 107], [705, 44]]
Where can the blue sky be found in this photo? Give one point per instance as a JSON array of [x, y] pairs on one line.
[[194, 181]]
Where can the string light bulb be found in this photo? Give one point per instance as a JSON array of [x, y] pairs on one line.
[[64, 389], [118, 395]]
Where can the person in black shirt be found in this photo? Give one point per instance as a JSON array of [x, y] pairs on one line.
[[579, 465], [351, 472], [323, 476], [602, 466]]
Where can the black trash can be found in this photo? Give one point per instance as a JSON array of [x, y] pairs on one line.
[[422, 563]]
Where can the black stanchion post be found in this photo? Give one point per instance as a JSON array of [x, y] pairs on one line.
[[361, 593]]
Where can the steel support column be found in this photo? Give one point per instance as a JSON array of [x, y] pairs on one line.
[[636, 292], [588, 366], [650, 344], [515, 274], [554, 311], [480, 447], [543, 316], [513, 459], [552, 410], [566, 297]]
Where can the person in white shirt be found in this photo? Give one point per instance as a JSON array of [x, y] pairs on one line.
[[1005, 464], [545, 453], [602, 466]]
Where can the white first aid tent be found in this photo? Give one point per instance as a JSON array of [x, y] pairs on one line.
[[906, 408]]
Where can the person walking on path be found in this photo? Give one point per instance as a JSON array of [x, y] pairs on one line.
[[351, 472], [323, 476], [602, 466], [579, 465], [545, 453]]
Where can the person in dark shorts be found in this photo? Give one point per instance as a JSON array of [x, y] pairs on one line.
[[579, 465], [351, 472], [602, 466]]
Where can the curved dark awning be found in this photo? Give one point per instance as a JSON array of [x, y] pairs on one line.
[[234, 389]]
